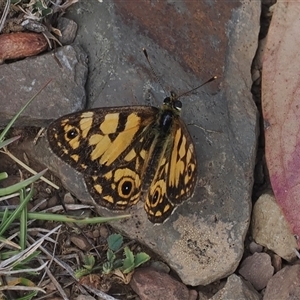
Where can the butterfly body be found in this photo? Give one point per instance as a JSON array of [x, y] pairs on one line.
[[130, 153]]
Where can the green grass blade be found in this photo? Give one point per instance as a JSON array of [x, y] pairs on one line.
[[29, 296], [16, 187], [9, 141], [15, 214], [70, 219], [4, 217], [23, 218], [3, 175]]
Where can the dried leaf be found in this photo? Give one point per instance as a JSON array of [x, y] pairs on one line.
[[281, 108]]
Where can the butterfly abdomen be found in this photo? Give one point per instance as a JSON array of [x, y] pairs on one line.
[[160, 144]]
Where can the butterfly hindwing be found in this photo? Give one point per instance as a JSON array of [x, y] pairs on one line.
[[175, 179], [182, 172]]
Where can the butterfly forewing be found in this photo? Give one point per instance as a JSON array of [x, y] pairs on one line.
[[109, 147]]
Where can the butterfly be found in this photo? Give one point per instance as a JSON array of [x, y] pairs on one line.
[[130, 153]]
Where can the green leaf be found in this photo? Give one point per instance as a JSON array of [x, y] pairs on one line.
[[140, 258], [118, 263], [81, 272], [26, 282], [128, 262], [41, 5], [107, 267], [89, 262], [110, 255], [46, 12], [115, 241]]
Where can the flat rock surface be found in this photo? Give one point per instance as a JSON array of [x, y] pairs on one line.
[[203, 240], [66, 67]]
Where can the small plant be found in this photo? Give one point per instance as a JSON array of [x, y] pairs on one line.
[[114, 265], [15, 263], [126, 265], [38, 9]]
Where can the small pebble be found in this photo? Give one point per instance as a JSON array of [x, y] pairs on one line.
[[96, 233], [276, 262], [254, 247], [69, 199], [103, 232], [80, 242]]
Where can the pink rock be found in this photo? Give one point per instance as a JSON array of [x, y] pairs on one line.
[[150, 284], [257, 269], [284, 285]]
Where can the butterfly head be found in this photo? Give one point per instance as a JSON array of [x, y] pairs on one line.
[[173, 103]]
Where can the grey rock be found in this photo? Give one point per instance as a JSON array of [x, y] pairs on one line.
[[254, 247], [160, 266], [21, 80], [237, 288], [68, 29], [276, 262], [203, 240]]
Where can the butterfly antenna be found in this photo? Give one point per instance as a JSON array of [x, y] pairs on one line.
[[152, 69], [198, 87]]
